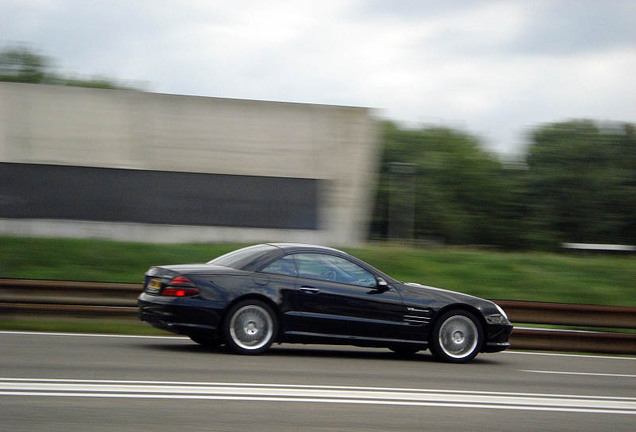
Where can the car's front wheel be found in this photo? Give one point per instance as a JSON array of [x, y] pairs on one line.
[[250, 327], [457, 337]]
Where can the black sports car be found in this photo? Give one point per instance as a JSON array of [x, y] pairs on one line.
[[252, 297]]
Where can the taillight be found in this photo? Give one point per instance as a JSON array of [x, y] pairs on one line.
[[179, 292], [180, 286], [181, 280]]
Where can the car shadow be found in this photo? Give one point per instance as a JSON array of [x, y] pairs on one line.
[[359, 353], [318, 351]]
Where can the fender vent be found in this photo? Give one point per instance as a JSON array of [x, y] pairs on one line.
[[417, 316]]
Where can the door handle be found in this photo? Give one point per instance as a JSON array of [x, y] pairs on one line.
[[309, 290]]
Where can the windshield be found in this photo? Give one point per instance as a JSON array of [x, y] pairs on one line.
[[241, 258]]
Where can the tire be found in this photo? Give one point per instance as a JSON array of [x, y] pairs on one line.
[[457, 337], [206, 341], [250, 327]]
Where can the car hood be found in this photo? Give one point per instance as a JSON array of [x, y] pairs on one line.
[[427, 294]]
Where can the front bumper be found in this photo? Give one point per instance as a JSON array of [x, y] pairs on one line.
[[497, 339], [492, 347]]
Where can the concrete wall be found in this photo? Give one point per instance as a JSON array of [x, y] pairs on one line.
[[144, 131]]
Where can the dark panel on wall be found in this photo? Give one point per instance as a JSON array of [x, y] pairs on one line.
[[119, 195]]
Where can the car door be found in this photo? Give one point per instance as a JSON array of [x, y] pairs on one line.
[[337, 298]]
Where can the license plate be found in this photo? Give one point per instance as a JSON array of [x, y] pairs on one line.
[[154, 286]]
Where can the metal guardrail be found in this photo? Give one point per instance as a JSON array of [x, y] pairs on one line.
[[576, 315], [599, 248], [571, 315], [20, 297]]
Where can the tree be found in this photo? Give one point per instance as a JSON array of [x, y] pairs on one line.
[[23, 65], [462, 194], [19, 64], [582, 182]]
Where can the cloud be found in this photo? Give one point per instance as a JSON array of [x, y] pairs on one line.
[[562, 28], [493, 68]]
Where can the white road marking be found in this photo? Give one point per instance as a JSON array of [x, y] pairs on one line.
[[29, 387], [544, 354], [581, 373], [556, 330]]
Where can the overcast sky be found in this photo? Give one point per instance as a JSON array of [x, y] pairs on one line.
[[492, 68]]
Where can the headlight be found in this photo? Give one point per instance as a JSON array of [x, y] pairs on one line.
[[496, 319], [501, 311], [499, 318]]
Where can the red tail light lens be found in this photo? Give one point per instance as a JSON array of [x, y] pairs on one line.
[[181, 280], [179, 292], [180, 286]]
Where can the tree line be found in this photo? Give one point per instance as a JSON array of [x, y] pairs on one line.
[[576, 183], [24, 65]]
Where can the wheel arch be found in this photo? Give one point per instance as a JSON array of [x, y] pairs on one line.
[[262, 298], [467, 308]]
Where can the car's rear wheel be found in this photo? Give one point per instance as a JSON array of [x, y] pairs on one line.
[[250, 327], [457, 337]]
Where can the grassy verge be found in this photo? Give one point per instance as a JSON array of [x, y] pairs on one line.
[[532, 276], [85, 325], [587, 279]]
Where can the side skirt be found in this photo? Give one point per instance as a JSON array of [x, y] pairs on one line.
[[319, 338]]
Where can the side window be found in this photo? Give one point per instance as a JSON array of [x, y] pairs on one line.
[[333, 268], [312, 266], [284, 266]]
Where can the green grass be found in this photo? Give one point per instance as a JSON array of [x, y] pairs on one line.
[[533, 276], [82, 325], [587, 279], [94, 260]]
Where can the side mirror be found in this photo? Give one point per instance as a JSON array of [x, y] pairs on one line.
[[382, 285]]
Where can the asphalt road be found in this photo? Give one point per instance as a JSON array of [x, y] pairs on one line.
[[61, 382]]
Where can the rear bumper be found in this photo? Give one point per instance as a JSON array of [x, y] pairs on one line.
[[179, 315]]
